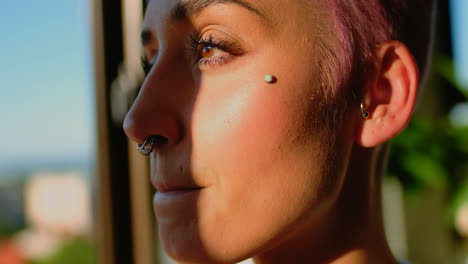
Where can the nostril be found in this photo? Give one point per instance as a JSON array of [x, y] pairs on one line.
[[160, 140]]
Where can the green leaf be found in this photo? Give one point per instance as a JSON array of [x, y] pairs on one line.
[[425, 169]]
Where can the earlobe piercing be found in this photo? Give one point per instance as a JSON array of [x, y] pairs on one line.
[[364, 113], [269, 78]]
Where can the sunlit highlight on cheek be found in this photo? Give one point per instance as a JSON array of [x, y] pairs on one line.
[[232, 116], [216, 114]]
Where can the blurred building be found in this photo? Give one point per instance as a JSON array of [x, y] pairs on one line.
[[57, 207]]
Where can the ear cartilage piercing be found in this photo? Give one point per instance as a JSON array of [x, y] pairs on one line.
[[364, 113], [147, 147], [269, 78]]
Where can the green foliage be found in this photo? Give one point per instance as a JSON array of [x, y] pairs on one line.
[[6, 229], [429, 153], [433, 152], [443, 65], [77, 251]]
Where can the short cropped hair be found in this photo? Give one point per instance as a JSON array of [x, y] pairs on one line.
[[360, 26]]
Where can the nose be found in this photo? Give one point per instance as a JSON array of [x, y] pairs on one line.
[[155, 112]]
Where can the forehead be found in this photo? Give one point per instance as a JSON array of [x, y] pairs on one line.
[[272, 11]]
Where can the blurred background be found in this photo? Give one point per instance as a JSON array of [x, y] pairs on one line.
[[71, 191], [47, 138]]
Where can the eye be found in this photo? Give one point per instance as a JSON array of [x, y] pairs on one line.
[[213, 52], [207, 51]]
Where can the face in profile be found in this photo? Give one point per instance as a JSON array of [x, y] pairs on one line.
[[249, 165]]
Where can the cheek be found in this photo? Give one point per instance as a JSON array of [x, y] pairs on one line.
[[265, 163], [242, 129]]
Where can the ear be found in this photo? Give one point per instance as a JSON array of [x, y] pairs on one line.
[[390, 95]]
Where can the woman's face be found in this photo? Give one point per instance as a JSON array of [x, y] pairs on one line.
[[247, 162]]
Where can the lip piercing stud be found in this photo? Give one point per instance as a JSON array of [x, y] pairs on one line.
[[147, 147], [364, 113], [269, 78]]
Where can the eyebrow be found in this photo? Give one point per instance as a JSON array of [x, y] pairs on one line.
[[184, 9], [189, 8]]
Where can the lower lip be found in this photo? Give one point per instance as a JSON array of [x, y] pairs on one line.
[[174, 200]]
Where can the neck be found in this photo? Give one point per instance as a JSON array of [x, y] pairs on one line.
[[352, 231]]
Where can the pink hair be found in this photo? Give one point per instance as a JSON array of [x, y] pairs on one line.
[[361, 25]]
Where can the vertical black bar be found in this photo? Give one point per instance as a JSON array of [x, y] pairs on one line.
[[119, 167], [444, 47], [145, 4]]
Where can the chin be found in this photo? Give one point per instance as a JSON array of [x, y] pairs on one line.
[[184, 244]]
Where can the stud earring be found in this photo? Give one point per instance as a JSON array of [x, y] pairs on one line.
[[364, 113]]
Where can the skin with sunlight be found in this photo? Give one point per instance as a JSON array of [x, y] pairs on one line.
[[282, 172]]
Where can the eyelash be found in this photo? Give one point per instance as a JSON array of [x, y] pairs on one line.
[[146, 65], [231, 52]]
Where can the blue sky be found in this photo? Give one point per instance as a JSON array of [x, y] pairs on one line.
[[459, 19], [46, 103], [47, 96]]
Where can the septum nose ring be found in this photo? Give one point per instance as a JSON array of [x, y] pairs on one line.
[[147, 147]]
